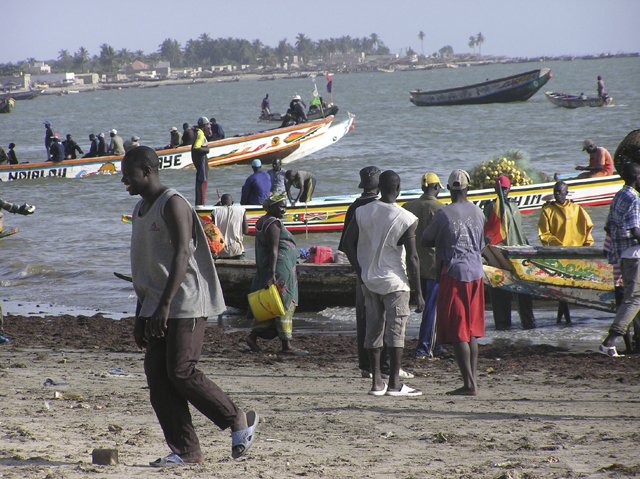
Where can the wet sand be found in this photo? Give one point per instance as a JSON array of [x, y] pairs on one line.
[[540, 412]]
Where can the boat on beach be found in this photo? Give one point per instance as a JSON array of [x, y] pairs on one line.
[[578, 275], [576, 101], [316, 283], [326, 215], [287, 144], [519, 87]]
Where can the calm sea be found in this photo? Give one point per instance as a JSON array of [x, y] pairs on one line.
[[65, 255]]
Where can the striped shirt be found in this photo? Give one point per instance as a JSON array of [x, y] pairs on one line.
[[624, 215]]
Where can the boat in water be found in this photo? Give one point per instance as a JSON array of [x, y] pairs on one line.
[[326, 215], [21, 95], [287, 144], [317, 114], [519, 87], [316, 283], [578, 275], [576, 101]]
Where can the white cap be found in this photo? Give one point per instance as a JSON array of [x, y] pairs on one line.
[[114, 131]]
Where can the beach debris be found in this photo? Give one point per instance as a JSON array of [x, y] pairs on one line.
[[490, 370], [51, 382], [117, 371], [273, 440], [105, 457], [46, 405], [441, 438], [552, 460], [63, 361], [387, 435], [68, 396], [115, 428], [508, 464]]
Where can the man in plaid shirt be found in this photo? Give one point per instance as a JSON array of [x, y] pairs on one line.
[[623, 226]]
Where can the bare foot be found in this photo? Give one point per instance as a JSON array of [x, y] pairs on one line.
[[463, 391], [252, 344]]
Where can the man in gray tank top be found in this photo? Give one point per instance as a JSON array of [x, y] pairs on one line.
[[177, 287]]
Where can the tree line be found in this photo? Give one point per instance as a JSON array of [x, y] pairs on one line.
[[206, 51]]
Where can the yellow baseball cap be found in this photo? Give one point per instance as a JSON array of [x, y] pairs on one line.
[[431, 178]]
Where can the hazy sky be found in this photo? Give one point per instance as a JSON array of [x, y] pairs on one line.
[[510, 27]]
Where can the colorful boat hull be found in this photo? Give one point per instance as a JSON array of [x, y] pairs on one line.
[[572, 274], [503, 90], [287, 144], [327, 214]]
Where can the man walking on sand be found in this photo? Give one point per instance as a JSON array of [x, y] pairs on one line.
[[375, 244], [456, 232], [177, 287]]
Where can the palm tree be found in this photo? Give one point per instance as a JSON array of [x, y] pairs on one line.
[[171, 51], [479, 42], [375, 39], [107, 56], [64, 59], [304, 47], [283, 50], [81, 57], [472, 43], [124, 57], [421, 36]]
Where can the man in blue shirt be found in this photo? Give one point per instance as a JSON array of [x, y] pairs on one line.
[[257, 187]]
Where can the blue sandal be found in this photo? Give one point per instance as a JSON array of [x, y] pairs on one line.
[[172, 460], [244, 437]]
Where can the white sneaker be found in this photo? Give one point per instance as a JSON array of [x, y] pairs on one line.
[[403, 375]]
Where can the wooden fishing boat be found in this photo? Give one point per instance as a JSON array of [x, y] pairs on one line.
[[288, 144], [576, 101], [320, 285], [519, 87], [327, 214], [579, 275], [316, 115], [21, 95], [6, 106]]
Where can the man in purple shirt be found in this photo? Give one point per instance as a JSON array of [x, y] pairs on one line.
[[257, 187]]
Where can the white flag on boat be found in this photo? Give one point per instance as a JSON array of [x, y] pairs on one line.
[[315, 91]]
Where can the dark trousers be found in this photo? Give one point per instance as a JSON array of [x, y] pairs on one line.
[[361, 332], [426, 337], [174, 382], [202, 177], [501, 304]]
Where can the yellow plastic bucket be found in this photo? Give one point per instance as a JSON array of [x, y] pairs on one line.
[[266, 303]]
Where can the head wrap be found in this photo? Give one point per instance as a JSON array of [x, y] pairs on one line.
[[273, 199]]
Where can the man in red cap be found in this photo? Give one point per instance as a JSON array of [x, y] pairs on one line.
[[504, 228]]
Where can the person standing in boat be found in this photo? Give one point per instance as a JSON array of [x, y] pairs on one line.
[[177, 287], [601, 93], [503, 227], [277, 175], [70, 148], [276, 259], [256, 188], [116, 147], [48, 137], [298, 109], [232, 222], [304, 181], [199, 152], [103, 148], [13, 159], [425, 208], [93, 148], [563, 223], [380, 245], [600, 162], [266, 110]]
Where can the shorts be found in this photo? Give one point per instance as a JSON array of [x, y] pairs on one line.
[[459, 310], [386, 318]]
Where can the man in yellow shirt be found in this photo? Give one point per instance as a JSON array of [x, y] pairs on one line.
[[563, 223]]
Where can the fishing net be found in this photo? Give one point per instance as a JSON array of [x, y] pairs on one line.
[[512, 163], [628, 151]]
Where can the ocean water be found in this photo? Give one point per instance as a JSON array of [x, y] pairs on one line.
[[65, 254]]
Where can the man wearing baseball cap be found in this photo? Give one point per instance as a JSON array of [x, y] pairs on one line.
[[176, 137], [116, 147], [57, 150], [600, 162], [424, 208], [257, 187], [456, 233], [504, 228]]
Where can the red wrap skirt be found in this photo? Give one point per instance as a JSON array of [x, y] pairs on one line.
[[459, 310]]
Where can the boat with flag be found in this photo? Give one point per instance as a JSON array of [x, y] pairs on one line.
[[519, 87], [327, 214], [287, 144]]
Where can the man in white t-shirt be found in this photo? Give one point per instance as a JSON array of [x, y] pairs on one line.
[[232, 222], [375, 243]]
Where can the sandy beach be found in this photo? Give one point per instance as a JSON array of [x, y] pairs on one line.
[[541, 412]]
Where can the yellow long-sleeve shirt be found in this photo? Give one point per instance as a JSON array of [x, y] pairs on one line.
[[565, 224]]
